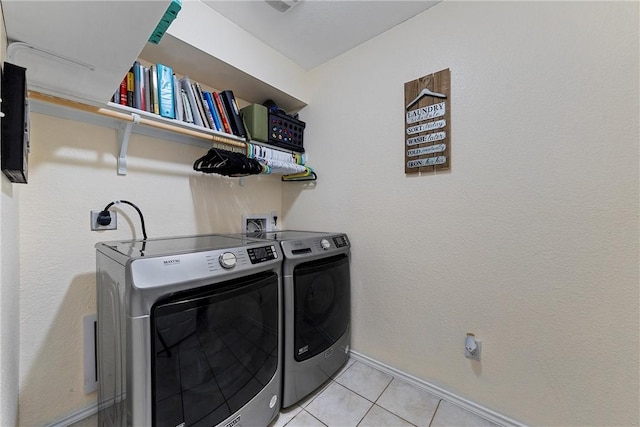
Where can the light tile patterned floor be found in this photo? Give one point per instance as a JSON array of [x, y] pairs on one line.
[[362, 396]]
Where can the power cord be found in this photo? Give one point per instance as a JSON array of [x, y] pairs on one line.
[[104, 217]]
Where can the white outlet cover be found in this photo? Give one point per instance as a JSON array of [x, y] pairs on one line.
[[256, 223]]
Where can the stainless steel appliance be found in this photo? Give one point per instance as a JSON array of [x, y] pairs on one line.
[[189, 331], [317, 308]]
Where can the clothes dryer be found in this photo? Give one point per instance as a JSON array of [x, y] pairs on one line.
[[189, 332], [317, 308]]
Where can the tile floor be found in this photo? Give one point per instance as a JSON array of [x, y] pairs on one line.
[[359, 395], [362, 396]]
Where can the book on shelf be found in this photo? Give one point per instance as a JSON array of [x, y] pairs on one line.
[[130, 87], [235, 121], [223, 113], [205, 106], [177, 99], [165, 91], [158, 90], [214, 111], [185, 82], [144, 102], [188, 115], [200, 108], [136, 85], [153, 77], [150, 89], [123, 92], [145, 92]]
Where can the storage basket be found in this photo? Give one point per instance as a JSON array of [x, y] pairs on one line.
[[255, 118], [286, 132]]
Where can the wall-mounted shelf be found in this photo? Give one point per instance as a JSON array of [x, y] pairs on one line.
[[127, 120], [134, 117]]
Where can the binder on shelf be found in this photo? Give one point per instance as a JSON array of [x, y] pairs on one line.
[[165, 91], [223, 113], [235, 121], [185, 82], [177, 99]]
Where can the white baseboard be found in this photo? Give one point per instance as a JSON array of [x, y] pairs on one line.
[[78, 416], [463, 403]]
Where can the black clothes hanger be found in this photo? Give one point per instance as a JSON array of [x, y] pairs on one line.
[[227, 163]]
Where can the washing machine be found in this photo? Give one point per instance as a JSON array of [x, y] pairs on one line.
[[317, 308], [189, 331]]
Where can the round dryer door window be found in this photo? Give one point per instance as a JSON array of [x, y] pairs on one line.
[[322, 305]]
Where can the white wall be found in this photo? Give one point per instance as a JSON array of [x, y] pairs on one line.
[[73, 171], [530, 241], [9, 284]]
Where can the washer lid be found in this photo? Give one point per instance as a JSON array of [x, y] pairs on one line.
[[178, 245]]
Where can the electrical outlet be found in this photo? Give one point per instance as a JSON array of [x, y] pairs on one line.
[[475, 353], [97, 227]]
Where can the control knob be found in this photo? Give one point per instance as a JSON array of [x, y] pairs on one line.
[[227, 260], [325, 244]]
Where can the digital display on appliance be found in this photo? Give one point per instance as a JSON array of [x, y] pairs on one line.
[[261, 254]]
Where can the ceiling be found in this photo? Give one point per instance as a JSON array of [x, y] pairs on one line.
[[314, 31]]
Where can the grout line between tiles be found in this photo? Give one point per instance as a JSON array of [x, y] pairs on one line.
[[378, 398], [433, 417], [358, 394], [353, 391], [385, 389], [319, 420], [390, 411], [365, 415]]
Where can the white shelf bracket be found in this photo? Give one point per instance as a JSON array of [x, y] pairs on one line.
[[124, 132]]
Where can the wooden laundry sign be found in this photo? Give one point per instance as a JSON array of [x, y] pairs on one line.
[[427, 136]]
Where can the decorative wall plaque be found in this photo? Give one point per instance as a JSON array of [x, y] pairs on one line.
[[427, 134]]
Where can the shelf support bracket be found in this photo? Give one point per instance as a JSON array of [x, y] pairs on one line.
[[124, 132]]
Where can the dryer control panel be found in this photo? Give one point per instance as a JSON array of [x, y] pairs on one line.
[[265, 253]]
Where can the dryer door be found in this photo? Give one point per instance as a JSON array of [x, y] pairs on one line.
[[322, 304], [213, 350]]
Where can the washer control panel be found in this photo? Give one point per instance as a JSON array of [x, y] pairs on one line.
[[227, 260], [262, 254]]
